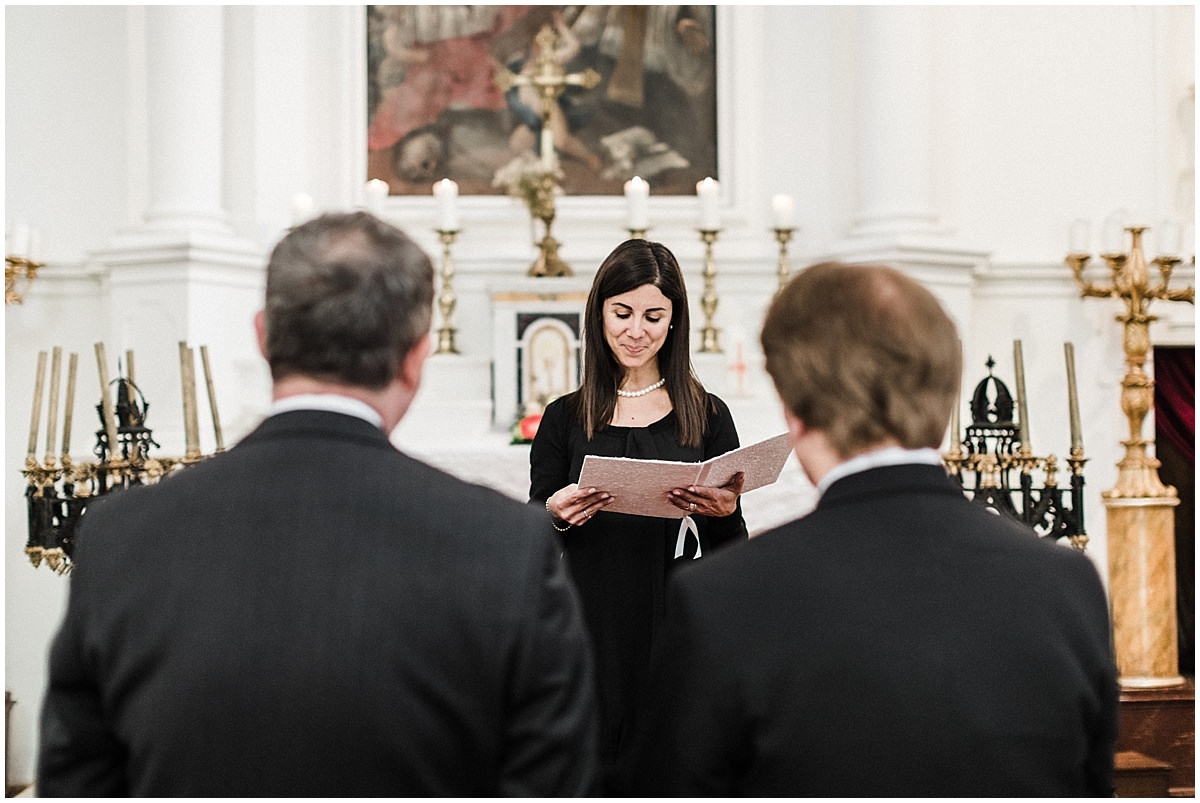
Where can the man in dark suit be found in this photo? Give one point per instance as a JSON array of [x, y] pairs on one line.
[[315, 613], [899, 640]]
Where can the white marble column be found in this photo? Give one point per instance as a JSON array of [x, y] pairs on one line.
[[895, 131], [896, 221], [184, 59], [183, 274]]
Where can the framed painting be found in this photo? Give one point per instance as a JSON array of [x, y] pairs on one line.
[[436, 111]]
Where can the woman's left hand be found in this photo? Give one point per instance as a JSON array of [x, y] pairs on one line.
[[713, 501]]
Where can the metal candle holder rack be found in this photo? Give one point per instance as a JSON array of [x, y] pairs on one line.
[[996, 466], [59, 489]]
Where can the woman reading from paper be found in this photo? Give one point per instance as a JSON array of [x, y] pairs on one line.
[[638, 398]]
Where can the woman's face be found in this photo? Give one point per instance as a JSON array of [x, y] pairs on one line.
[[636, 325]]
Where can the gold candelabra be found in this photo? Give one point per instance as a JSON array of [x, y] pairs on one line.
[[783, 236], [709, 335], [58, 488], [19, 273], [1131, 283], [446, 298], [1141, 515]]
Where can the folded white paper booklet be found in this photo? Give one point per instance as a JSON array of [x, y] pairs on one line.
[[643, 487]]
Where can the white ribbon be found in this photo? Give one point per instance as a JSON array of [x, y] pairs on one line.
[[684, 526]]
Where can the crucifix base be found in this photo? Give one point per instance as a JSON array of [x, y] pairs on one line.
[[548, 263]]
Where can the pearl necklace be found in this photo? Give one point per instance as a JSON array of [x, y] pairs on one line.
[[633, 394]]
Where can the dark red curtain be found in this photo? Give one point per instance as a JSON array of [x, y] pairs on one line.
[[1175, 447]]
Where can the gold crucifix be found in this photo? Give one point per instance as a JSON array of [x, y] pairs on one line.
[[549, 79]]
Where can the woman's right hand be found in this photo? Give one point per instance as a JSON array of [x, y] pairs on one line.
[[576, 505]]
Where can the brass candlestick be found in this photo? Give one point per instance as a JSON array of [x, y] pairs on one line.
[[637, 234], [709, 335], [783, 237], [1141, 515], [19, 272], [447, 299]]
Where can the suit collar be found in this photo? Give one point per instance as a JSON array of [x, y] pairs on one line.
[[333, 402], [889, 480], [316, 423], [875, 458]]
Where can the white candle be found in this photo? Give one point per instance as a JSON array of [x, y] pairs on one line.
[[376, 192], [37, 405], [1168, 238], [72, 367], [1114, 232], [35, 245], [18, 244], [709, 192], [637, 194], [446, 192], [1080, 241], [1022, 406], [1072, 397], [302, 208], [785, 211]]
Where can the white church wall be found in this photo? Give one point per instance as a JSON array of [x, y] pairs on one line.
[[66, 125], [1043, 115], [1048, 114]]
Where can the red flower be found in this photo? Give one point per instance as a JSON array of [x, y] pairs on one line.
[[529, 426]]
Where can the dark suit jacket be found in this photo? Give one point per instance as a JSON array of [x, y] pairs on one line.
[[315, 613], [898, 641]]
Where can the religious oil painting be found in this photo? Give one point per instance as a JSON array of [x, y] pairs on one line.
[[436, 109]]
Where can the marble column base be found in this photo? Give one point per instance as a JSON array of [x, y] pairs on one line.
[[1141, 569]]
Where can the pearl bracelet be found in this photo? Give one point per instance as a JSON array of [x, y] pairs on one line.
[[552, 524]]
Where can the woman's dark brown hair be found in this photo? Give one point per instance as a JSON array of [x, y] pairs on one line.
[[631, 265]]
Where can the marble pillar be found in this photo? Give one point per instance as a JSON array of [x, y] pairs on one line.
[[183, 274], [1141, 575], [895, 125], [184, 53], [896, 221]]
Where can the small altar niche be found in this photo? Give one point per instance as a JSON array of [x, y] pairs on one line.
[[536, 336]]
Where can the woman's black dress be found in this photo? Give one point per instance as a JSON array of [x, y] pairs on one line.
[[619, 562]]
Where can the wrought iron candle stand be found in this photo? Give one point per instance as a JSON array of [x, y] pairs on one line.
[[58, 490], [996, 468]]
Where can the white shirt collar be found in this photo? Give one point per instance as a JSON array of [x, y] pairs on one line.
[[330, 402], [886, 456]]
